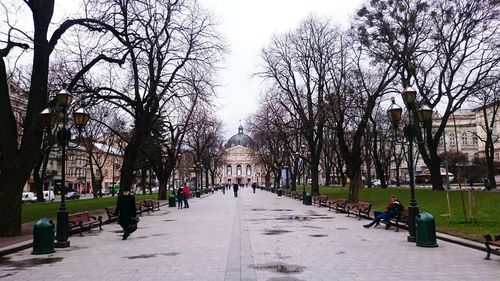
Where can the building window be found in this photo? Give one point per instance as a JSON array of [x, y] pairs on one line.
[[497, 156], [238, 170], [249, 170], [464, 138], [476, 156], [229, 170], [474, 139], [452, 139], [466, 156]]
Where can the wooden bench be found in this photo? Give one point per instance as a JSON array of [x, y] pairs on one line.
[[492, 246], [321, 201], [403, 218], [340, 204], [138, 208], [84, 220], [110, 211], [360, 209], [150, 205]]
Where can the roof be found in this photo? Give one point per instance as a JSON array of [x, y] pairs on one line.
[[240, 139]]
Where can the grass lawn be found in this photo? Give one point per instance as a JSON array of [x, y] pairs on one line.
[[34, 212], [435, 202]]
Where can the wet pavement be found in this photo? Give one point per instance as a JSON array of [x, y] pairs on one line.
[[253, 237]]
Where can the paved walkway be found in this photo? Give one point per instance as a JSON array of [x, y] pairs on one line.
[[253, 237]]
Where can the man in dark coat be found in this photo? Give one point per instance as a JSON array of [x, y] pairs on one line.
[[235, 189], [125, 209]]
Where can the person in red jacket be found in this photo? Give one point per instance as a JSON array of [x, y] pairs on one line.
[[185, 192]]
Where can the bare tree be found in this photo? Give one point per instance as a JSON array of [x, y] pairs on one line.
[[446, 49], [297, 65], [18, 158], [171, 50], [488, 101]]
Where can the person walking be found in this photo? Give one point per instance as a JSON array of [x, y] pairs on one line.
[[235, 189], [254, 187], [180, 198], [126, 211], [185, 194]]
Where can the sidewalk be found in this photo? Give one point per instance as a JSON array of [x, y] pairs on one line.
[[13, 244], [253, 237]]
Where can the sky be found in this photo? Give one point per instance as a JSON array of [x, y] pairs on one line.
[[248, 26]]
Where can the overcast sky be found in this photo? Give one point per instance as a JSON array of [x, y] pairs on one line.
[[248, 27]]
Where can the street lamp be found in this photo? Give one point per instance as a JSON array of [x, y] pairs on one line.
[[302, 154], [425, 116], [49, 119]]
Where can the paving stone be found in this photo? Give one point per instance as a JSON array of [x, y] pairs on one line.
[[253, 237]]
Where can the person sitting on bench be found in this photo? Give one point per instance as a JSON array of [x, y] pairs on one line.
[[392, 210]]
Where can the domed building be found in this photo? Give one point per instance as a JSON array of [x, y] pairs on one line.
[[240, 161]]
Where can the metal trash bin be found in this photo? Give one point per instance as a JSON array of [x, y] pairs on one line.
[[308, 199], [425, 230], [171, 201], [279, 192], [197, 193], [43, 237]]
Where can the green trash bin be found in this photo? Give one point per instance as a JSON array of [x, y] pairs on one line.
[[425, 230], [171, 201], [43, 237], [279, 192], [198, 194], [308, 199]]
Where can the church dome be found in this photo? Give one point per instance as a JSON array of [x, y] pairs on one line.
[[240, 139]]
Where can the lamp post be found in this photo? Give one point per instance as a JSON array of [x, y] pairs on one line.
[[410, 131], [49, 119], [302, 154]]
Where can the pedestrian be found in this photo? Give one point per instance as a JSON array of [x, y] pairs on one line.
[[393, 209], [185, 194], [126, 212], [486, 184], [471, 183], [235, 189], [180, 198], [254, 187], [223, 190]]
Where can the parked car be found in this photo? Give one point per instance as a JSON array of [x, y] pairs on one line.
[[376, 182], [48, 195], [72, 195], [28, 197]]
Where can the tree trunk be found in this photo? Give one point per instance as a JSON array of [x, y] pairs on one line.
[[435, 171], [314, 176], [354, 186], [10, 217]]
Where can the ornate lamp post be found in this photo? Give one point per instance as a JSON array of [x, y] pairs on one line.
[[49, 119], [410, 132]]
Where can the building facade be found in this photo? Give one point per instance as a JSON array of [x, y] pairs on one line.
[[240, 164]]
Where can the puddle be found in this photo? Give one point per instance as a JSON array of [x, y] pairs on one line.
[[6, 275], [318, 235], [312, 226], [341, 228], [279, 267], [294, 218], [172, 254], [168, 220], [22, 264], [340, 253], [257, 209], [275, 231], [282, 210], [144, 256]]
